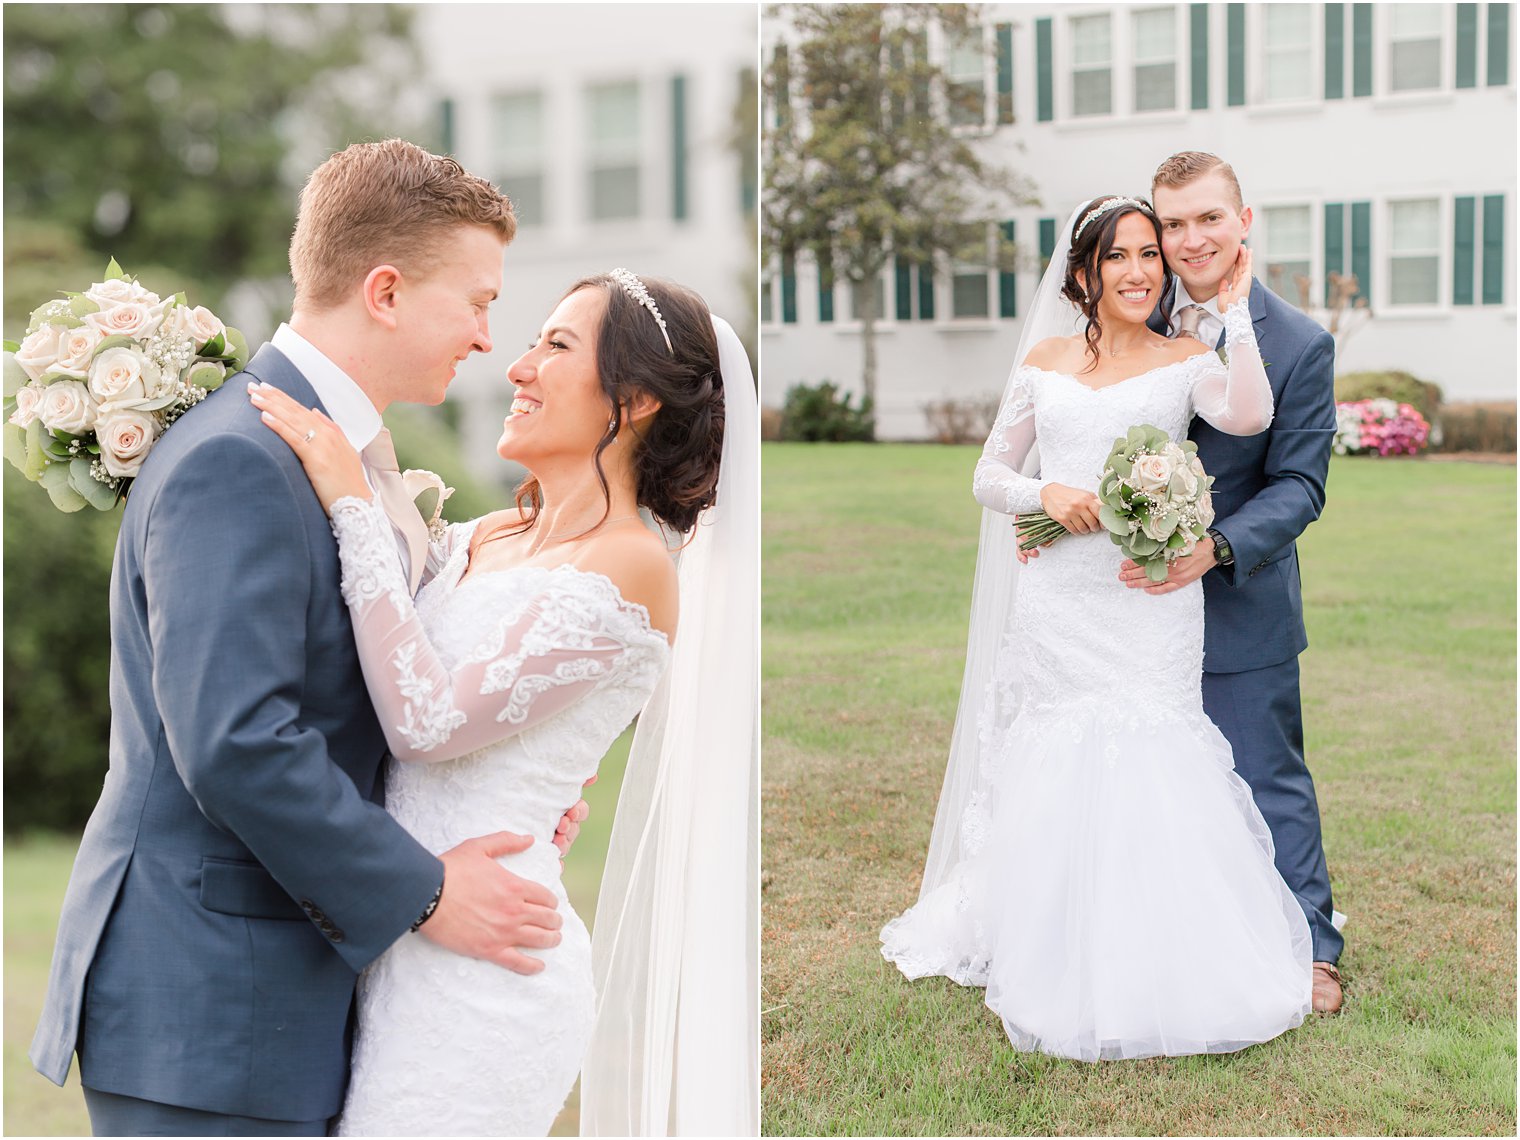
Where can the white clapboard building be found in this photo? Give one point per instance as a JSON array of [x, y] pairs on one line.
[[615, 129], [1375, 139]]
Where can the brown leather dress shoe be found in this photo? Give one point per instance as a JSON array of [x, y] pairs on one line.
[[1327, 996]]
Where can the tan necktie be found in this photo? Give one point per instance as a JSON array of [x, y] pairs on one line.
[[1188, 319], [402, 511]]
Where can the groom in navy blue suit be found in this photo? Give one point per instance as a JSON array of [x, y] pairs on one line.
[[1268, 488], [239, 870]]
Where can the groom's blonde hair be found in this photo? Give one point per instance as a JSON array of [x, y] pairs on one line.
[[384, 203], [1188, 166]]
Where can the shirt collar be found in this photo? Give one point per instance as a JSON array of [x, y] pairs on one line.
[[345, 401]]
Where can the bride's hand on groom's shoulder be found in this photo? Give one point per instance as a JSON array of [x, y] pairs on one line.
[[487, 912], [330, 461]]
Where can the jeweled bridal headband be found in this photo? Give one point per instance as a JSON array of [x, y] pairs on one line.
[[631, 284], [1102, 208]]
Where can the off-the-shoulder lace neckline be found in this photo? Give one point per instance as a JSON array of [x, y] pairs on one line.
[[1128, 379], [637, 609]]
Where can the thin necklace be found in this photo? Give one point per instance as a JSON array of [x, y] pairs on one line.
[[605, 522]]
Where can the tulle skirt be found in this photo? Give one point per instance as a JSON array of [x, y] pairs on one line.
[[1123, 902]]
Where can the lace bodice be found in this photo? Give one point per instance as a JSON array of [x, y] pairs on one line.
[[1075, 425], [498, 694]]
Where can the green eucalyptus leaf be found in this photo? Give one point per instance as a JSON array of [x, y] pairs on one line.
[[11, 345], [1112, 520], [91, 489], [15, 378], [1122, 466], [1156, 570], [1141, 546], [115, 340], [81, 306], [215, 347], [14, 438], [36, 456]]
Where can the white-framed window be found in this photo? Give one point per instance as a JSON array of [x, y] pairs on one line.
[[614, 149], [1155, 39], [1288, 251], [858, 299], [971, 284], [1416, 43], [966, 60], [1091, 64], [1288, 58], [519, 152], [1415, 252]]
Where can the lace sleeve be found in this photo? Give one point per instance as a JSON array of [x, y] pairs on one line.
[[539, 656], [1000, 483], [1236, 399]]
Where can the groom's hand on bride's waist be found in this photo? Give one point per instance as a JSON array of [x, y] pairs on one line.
[[570, 824], [1184, 570], [485, 911]]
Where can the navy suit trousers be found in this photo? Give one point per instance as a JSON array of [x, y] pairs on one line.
[[1258, 712], [114, 1115]]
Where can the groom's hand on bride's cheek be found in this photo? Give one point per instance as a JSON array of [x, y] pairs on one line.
[[487, 912]]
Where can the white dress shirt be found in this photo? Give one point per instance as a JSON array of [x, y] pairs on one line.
[[1210, 324], [343, 400]]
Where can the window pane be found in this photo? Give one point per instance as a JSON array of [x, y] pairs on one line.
[[1155, 34], [965, 60], [1416, 65], [1414, 280], [1288, 25], [1283, 279], [968, 103], [517, 126], [1289, 76], [615, 192], [1156, 87], [858, 301], [767, 302], [614, 116], [1089, 40], [527, 194], [1091, 93], [969, 295], [1414, 19], [1416, 226], [1288, 231]]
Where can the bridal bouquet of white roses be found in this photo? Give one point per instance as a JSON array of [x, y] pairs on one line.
[[99, 377], [1156, 502]]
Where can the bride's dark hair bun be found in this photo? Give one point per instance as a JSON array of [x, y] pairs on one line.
[[677, 449]]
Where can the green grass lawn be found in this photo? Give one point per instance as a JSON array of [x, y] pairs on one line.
[[36, 872], [1409, 704]]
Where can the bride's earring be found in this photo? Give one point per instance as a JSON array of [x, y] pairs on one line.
[[612, 427]]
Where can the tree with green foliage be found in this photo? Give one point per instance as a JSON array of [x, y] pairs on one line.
[[164, 134], [864, 160]]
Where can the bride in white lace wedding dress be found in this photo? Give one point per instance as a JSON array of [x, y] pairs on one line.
[[538, 635], [1097, 864]]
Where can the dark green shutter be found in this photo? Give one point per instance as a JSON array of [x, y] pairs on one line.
[[1044, 74], [1198, 49], [902, 279], [926, 290], [789, 288], [446, 126], [1361, 49], [1235, 54], [1047, 241], [1467, 45], [1465, 213], [1007, 281], [1493, 249], [825, 291], [749, 159], [781, 70], [678, 147], [1361, 247], [1498, 45], [1335, 242], [1335, 51], [1005, 73]]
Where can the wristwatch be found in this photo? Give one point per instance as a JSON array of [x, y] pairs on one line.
[[428, 913], [1223, 555]]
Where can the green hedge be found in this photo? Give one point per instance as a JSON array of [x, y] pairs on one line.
[[823, 414], [1391, 385]]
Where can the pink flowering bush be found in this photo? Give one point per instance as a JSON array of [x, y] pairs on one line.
[[1379, 427]]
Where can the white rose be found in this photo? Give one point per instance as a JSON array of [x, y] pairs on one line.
[[1174, 452], [1155, 526], [1184, 482], [130, 318], [38, 351], [117, 376], [125, 438], [67, 406], [1152, 472], [27, 398], [1206, 509], [109, 294], [75, 348], [200, 324]]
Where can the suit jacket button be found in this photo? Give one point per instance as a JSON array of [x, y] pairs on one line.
[[335, 935], [307, 906]]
